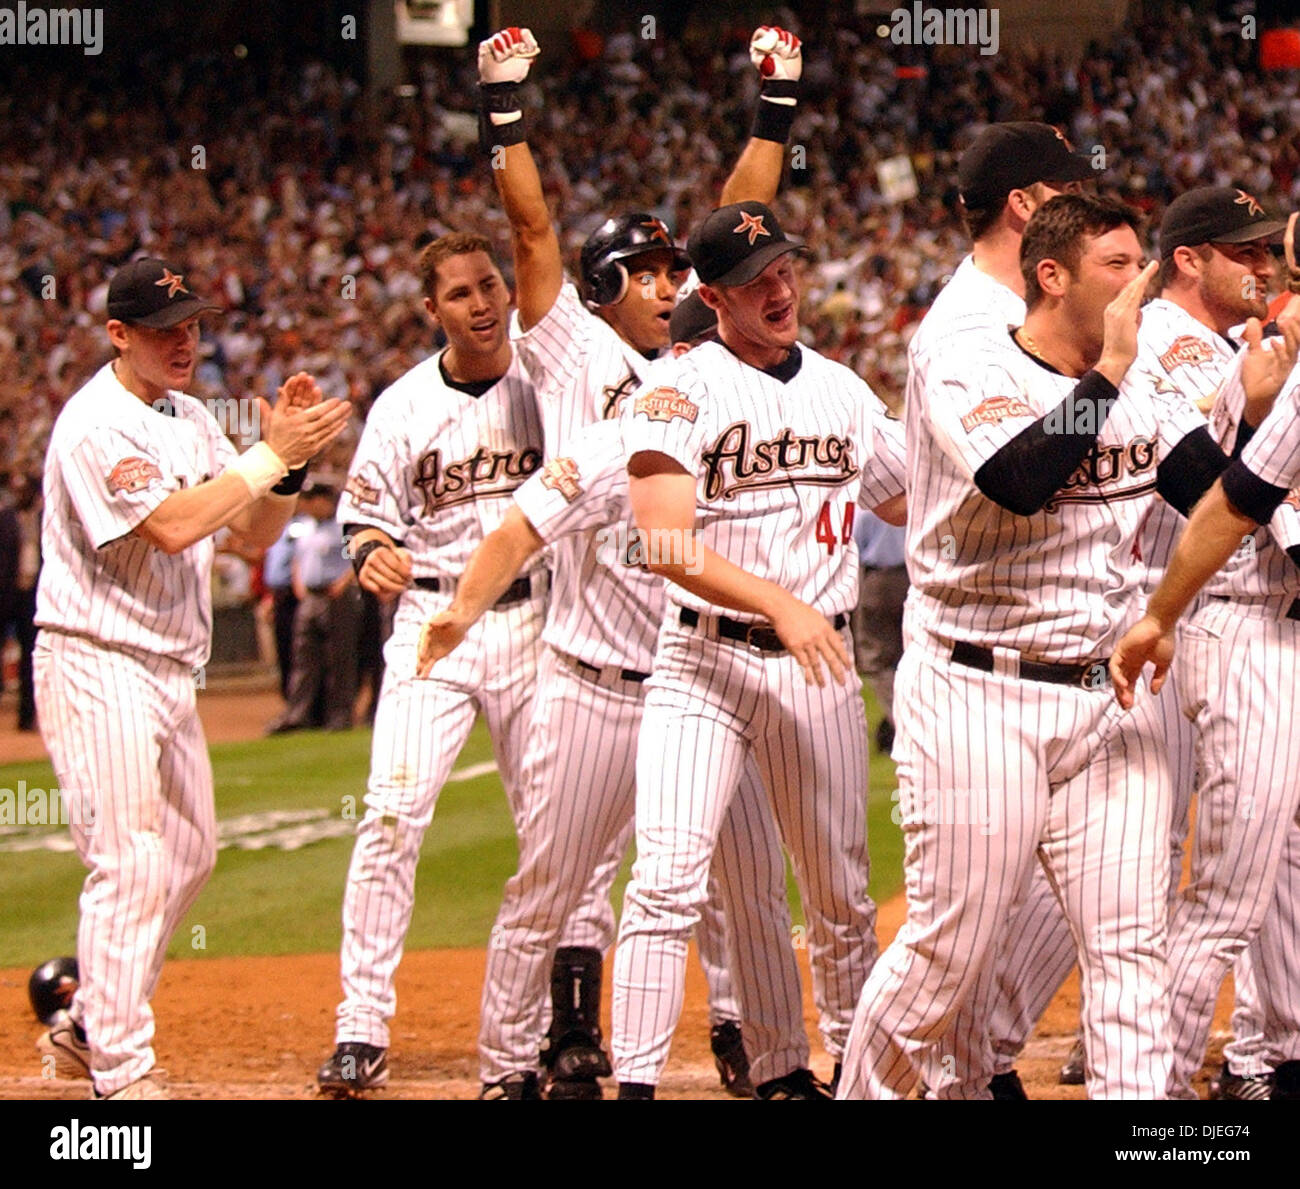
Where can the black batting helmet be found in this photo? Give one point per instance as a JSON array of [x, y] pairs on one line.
[[603, 275], [51, 987]]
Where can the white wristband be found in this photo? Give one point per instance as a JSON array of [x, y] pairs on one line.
[[260, 467]]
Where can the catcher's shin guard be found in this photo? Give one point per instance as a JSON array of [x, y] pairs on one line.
[[572, 1053]]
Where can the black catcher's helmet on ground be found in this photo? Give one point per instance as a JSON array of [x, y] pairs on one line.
[[51, 987], [604, 277]]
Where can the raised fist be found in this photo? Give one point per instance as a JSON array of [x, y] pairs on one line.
[[506, 56], [777, 53]]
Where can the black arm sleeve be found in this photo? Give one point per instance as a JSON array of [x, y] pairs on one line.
[[1190, 469], [1293, 552], [1249, 494], [1245, 431], [1036, 463], [350, 530]]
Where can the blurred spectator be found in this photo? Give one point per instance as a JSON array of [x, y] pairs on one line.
[[878, 619], [281, 602], [20, 566], [327, 621]]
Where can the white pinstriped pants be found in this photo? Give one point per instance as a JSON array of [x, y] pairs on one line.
[[995, 773], [580, 794], [128, 749], [1038, 950], [712, 708], [420, 728]]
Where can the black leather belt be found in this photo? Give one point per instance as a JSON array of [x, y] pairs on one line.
[[595, 671], [1292, 612], [1087, 675], [758, 636], [519, 590]]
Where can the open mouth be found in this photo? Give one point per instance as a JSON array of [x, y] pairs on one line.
[[483, 327], [776, 317]]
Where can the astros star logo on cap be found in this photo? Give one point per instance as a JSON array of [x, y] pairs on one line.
[[174, 281], [1249, 203], [660, 231], [753, 224]]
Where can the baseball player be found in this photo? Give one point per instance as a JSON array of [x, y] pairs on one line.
[[1037, 465], [138, 477], [443, 450], [755, 451], [607, 607], [587, 352], [1214, 274], [1007, 173]]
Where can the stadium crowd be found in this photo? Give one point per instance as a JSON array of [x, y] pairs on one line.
[[299, 200]]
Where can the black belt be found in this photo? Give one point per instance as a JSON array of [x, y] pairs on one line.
[[519, 590], [1292, 612], [318, 590], [1087, 675], [758, 636], [594, 671]]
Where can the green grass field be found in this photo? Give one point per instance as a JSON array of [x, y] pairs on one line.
[[278, 901]]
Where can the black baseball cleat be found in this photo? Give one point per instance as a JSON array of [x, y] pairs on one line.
[[514, 1087], [1230, 1087], [353, 1068], [798, 1085], [1006, 1087], [731, 1059]]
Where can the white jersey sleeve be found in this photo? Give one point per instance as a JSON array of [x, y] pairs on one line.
[[115, 480], [378, 494], [668, 420], [584, 489], [553, 349], [1273, 454], [884, 453]]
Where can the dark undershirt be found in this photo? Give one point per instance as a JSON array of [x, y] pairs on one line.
[[475, 388], [786, 370]]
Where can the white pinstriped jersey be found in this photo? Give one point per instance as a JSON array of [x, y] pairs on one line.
[[580, 367], [436, 467], [1261, 568], [1176, 353], [971, 303], [605, 606], [112, 460], [781, 466], [1058, 585]]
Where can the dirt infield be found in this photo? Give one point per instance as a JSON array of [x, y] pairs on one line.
[[258, 1027]]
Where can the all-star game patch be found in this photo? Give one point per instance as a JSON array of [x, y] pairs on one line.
[[132, 475]]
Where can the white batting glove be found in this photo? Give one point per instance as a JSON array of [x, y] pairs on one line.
[[506, 56], [777, 53]]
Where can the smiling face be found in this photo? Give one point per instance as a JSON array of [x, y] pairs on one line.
[[641, 317], [153, 361], [1106, 264], [471, 303], [1235, 280], [759, 320]]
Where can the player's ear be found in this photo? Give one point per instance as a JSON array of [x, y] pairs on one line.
[[680, 349], [710, 296], [432, 311], [1189, 261], [117, 334], [1023, 204], [1052, 277]]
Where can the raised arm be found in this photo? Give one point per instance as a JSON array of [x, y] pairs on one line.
[[778, 54], [503, 63]]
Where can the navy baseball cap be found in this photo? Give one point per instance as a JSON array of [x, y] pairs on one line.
[[735, 243], [1214, 215], [691, 319], [150, 292], [1006, 157]]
